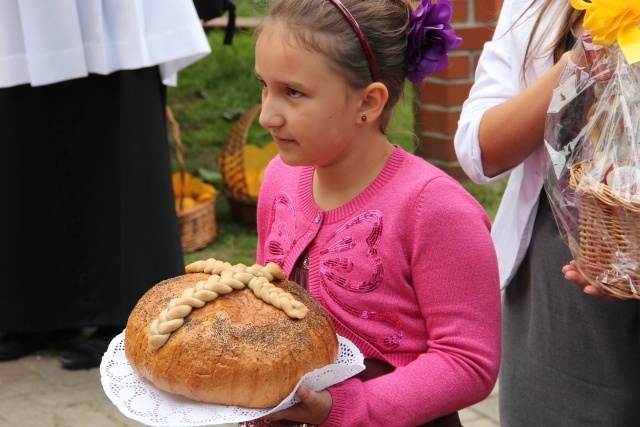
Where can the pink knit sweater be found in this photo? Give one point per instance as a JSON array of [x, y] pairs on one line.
[[408, 272]]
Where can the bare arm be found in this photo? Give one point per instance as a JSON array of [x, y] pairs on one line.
[[511, 131]]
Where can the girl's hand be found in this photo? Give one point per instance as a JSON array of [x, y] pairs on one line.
[[314, 407], [571, 273]]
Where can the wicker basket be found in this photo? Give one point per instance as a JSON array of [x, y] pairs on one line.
[[234, 183], [609, 232], [198, 225]]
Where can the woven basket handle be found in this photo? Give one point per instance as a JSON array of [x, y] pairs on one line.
[[232, 157], [175, 129]]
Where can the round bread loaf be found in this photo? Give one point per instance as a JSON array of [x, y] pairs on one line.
[[235, 350]]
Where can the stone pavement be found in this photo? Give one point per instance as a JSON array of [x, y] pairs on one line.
[[36, 392]]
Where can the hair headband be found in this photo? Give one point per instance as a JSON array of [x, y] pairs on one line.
[[363, 40]]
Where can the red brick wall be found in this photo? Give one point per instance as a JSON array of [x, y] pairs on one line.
[[439, 98]]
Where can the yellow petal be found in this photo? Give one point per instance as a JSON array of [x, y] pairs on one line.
[[613, 20], [629, 41]]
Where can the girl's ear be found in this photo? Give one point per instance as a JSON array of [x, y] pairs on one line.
[[374, 98]]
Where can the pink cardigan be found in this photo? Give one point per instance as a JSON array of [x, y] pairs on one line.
[[408, 272]]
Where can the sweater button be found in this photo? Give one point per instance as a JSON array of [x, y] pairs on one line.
[[318, 218]]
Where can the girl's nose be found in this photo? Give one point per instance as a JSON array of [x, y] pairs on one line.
[[270, 117]]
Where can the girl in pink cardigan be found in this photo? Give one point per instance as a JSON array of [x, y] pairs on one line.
[[395, 250]]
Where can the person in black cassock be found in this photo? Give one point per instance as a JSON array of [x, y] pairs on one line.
[[88, 224]]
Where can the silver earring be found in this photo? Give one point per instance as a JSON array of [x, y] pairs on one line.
[[363, 118]]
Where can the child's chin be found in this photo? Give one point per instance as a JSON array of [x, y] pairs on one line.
[[293, 160]]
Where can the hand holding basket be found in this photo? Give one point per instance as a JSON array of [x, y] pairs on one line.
[[592, 169]]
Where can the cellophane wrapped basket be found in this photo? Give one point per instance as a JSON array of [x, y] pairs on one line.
[[592, 168], [198, 225], [232, 166]]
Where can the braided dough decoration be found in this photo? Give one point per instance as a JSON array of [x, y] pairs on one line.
[[224, 279]]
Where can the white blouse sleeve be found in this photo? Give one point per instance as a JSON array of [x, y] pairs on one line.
[[498, 78]]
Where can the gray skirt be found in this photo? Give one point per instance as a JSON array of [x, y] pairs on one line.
[[568, 359]]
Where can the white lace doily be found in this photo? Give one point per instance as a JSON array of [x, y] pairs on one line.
[[140, 400]]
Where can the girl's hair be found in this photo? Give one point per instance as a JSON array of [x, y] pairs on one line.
[[318, 25], [559, 44]]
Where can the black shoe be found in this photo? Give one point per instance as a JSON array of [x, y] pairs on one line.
[[88, 354], [16, 345]]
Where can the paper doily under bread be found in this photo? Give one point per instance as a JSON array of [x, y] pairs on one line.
[[140, 400]]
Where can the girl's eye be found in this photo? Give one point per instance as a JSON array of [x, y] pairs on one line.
[[294, 93]]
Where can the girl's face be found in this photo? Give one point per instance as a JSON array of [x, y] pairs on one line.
[[311, 112]]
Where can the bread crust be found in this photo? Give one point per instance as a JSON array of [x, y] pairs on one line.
[[236, 350]]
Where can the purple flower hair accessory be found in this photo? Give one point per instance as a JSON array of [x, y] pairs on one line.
[[430, 38]]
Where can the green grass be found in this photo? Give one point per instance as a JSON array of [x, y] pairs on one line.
[[210, 96], [214, 92]]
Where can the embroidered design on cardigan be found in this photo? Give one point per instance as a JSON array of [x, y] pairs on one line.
[[337, 269], [359, 235], [282, 229]]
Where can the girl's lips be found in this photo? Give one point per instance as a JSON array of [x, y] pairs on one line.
[[279, 140]]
